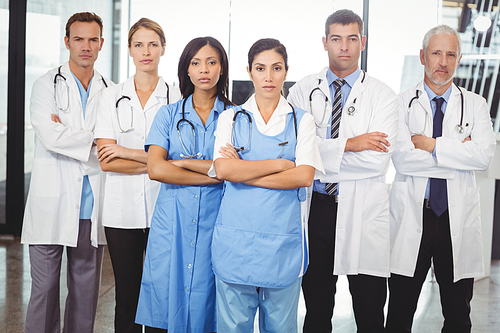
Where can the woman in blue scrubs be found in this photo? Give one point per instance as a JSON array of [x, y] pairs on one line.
[[258, 250], [178, 285]]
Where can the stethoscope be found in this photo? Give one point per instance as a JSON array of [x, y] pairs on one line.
[[127, 98], [459, 128], [351, 110], [179, 123], [60, 77], [245, 113]]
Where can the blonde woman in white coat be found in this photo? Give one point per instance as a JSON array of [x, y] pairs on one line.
[[126, 114]]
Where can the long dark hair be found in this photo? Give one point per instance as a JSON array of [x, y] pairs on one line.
[[185, 84]]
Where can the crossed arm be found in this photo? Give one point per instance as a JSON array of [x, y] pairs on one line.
[[177, 172], [274, 174]]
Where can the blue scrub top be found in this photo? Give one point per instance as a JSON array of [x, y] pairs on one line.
[[87, 200], [178, 284]]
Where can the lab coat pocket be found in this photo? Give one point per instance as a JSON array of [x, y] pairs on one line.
[[375, 239], [397, 202], [376, 202], [471, 209], [45, 178]]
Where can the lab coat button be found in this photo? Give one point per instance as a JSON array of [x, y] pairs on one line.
[[77, 206], [419, 230], [189, 266], [142, 194], [79, 179], [142, 137], [419, 204]]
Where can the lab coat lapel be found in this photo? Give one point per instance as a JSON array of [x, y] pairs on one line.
[[453, 109], [71, 81], [97, 84], [423, 99], [160, 96], [129, 90], [356, 90], [323, 84]]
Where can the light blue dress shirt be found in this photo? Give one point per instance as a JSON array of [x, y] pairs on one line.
[[446, 97], [87, 201], [345, 90]]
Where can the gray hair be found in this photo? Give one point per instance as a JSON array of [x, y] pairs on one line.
[[442, 29]]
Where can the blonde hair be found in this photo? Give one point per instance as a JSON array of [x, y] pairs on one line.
[[148, 24]]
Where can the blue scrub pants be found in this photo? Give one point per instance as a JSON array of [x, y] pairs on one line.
[[237, 305]]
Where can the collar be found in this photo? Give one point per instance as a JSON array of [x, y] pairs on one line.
[[282, 108], [349, 79], [432, 94], [218, 104]]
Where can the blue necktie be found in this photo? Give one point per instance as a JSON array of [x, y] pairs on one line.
[[438, 196], [331, 188]]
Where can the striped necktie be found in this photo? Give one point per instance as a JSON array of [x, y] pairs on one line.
[[331, 188]]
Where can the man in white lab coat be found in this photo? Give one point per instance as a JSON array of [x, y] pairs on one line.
[[445, 134], [356, 121], [63, 207]]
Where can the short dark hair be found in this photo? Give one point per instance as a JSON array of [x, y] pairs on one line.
[[266, 44], [84, 17], [344, 17], [185, 84]]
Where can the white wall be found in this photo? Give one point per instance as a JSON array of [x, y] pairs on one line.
[[396, 29]]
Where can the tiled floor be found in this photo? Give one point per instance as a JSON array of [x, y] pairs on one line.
[[15, 285]]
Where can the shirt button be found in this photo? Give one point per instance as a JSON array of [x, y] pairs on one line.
[[189, 266], [202, 131], [193, 221], [195, 197], [192, 243], [187, 289]]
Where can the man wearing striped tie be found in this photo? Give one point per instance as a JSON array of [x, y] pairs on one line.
[[356, 118], [445, 135]]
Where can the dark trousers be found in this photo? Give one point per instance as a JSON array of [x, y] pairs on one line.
[[126, 249], [318, 284], [405, 291]]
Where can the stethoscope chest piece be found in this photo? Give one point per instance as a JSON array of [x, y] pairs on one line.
[[351, 110], [460, 129]]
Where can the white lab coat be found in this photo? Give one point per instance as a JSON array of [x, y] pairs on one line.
[[129, 200], [362, 240], [64, 153], [454, 161]]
